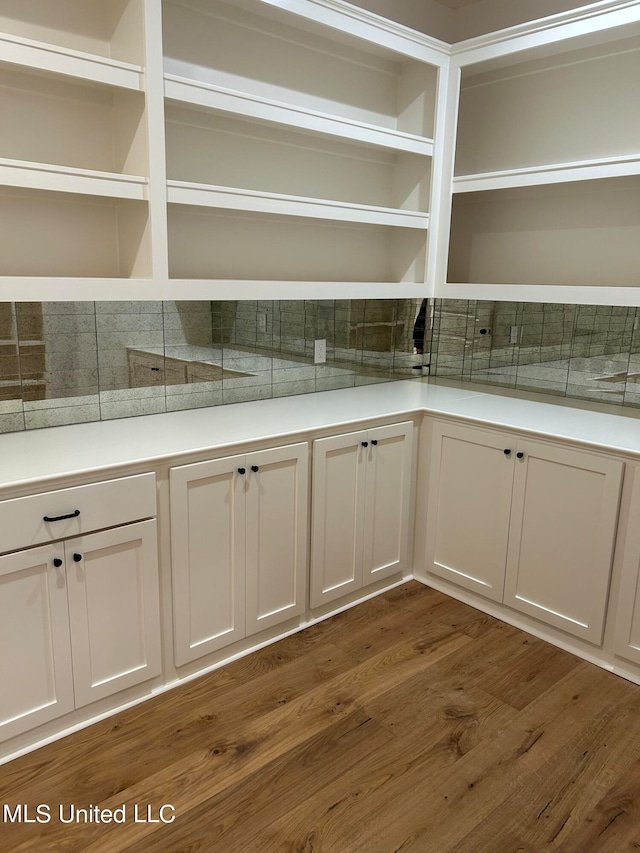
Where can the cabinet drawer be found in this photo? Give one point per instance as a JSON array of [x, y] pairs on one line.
[[91, 507]]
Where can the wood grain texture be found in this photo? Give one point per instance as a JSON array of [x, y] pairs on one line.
[[409, 723]]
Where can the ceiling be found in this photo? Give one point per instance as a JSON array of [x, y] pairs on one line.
[[456, 4]]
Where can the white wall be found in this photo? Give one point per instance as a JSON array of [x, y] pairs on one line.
[[478, 18], [427, 16], [486, 16]]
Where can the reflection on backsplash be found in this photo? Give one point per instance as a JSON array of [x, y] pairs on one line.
[[586, 352], [71, 362]]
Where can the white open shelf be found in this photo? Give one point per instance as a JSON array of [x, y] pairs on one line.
[[205, 195], [546, 181], [20, 173], [606, 167], [218, 99], [111, 29], [209, 244], [70, 123], [215, 161], [71, 63], [577, 107], [571, 234], [63, 234], [239, 59]]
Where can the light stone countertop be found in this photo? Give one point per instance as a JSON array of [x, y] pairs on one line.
[[36, 456]]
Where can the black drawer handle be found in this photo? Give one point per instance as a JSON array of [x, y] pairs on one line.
[[507, 451], [375, 442], [364, 443], [61, 517], [77, 558], [255, 469], [242, 470], [520, 455], [57, 562]]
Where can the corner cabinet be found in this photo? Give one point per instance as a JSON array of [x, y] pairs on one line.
[[239, 547], [79, 616], [362, 485], [525, 523]]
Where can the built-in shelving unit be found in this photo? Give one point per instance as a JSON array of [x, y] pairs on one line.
[[294, 153], [213, 148], [247, 149], [74, 163], [546, 177]]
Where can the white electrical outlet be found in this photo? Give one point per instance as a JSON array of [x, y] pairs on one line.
[[319, 351], [513, 335]]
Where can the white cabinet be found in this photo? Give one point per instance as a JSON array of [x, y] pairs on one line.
[[525, 523], [114, 609], [469, 502], [361, 509], [35, 647], [239, 546], [80, 616]]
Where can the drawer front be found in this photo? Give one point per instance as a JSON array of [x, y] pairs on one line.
[[36, 519]]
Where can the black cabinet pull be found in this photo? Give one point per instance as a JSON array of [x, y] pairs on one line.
[[61, 517], [242, 470], [520, 455], [57, 562], [77, 558], [255, 468], [365, 444], [507, 451], [375, 442]]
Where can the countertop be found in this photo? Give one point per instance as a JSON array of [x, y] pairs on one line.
[[40, 455]]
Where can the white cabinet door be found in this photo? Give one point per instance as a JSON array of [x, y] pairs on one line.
[[337, 526], [276, 527], [114, 609], [361, 505], [469, 498], [387, 501], [208, 555], [35, 652], [626, 641], [563, 524]]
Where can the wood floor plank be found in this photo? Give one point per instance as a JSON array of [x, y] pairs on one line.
[[408, 723], [613, 825], [438, 802], [534, 668], [569, 785], [198, 715], [288, 780]]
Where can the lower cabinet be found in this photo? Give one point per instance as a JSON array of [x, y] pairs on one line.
[[360, 509], [239, 546], [79, 621], [525, 523]]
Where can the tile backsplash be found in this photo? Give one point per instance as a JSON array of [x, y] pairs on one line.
[[70, 362], [585, 352]]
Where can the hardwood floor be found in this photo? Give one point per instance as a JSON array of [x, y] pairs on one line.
[[409, 723]]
